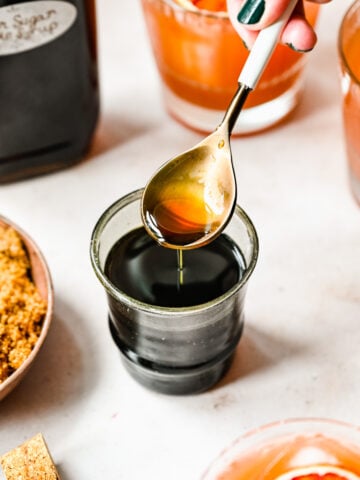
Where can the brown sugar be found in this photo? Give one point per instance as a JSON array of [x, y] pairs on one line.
[[30, 461], [22, 310]]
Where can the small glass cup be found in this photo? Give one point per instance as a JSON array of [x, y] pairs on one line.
[[349, 54], [294, 449], [178, 350], [199, 57]]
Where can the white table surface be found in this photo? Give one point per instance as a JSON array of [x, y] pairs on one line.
[[299, 355]]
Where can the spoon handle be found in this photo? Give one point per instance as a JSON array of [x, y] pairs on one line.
[[263, 48]]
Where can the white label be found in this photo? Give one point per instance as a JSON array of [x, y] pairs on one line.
[[29, 25]]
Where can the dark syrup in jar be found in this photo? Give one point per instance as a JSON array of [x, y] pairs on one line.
[[150, 273]]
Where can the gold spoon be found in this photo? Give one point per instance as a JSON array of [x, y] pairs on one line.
[[191, 198]]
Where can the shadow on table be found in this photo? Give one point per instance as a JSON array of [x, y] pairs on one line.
[[63, 474], [115, 129], [258, 351], [61, 374]]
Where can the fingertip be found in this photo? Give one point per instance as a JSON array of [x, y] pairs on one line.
[[299, 35]]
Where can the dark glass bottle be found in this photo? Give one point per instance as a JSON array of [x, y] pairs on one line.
[[49, 96]]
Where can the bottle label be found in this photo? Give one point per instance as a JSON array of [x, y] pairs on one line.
[[28, 25]]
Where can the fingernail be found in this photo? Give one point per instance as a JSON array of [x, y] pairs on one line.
[[251, 12], [245, 45], [292, 46]]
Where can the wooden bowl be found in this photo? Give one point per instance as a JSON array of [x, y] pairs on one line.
[[42, 279]]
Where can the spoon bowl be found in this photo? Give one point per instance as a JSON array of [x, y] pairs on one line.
[[191, 198]]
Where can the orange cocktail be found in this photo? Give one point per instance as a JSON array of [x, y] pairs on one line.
[[292, 450], [349, 54], [199, 56]]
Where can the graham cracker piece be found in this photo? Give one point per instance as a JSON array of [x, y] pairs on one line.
[[30, 461]]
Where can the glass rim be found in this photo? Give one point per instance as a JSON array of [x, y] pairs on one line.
[[200, 12], [155, 309], [353, 7], [228, 454]]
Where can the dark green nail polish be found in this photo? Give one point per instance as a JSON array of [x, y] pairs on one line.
[[251, 12], [297, 49], [245, 45]]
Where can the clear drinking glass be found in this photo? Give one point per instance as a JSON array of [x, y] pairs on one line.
[[199, 57], [349, 55], [175, 350], [294, 449]]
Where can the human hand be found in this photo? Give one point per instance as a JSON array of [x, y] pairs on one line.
[[250, 16]]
